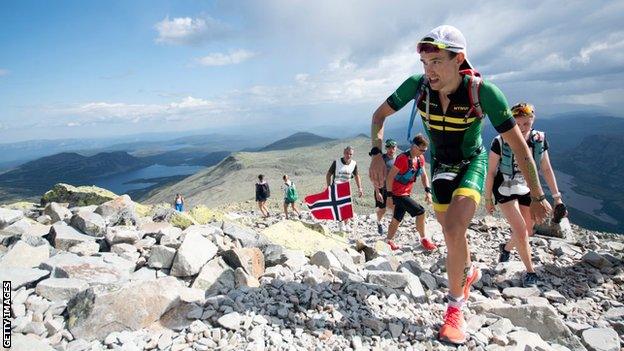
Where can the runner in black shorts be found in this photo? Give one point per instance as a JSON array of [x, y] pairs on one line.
[[407, 167]]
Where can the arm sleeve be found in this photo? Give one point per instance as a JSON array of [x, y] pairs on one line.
[[401, 163], [496, 148], [404, 93], [495, 106]]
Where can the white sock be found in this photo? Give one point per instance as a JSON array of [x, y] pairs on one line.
[[457, 302]]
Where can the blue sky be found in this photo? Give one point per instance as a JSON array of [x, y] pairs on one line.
[[109, 68]]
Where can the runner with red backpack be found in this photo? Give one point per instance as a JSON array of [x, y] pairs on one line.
[[408, 166], [452, 101]]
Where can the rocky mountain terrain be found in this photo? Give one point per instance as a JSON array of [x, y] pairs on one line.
[[93, 271]]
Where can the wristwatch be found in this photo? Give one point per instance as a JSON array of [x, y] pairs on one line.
[[374, 151], [428, 189], [539, 198]]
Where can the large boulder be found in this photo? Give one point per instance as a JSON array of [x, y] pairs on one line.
[[63, 237], [214, 276], [25, 256], [122, 234], [92, 269], [541, 319], [296, 236], [101, 310], [77, 196], [194, 252], [28, 342], [89, 223], [55, 289], [247, 236], [161, 257], [26, 227], [8, 216], [601, 339], [20, 277], [57, 212], [119, 211], [248, 258]]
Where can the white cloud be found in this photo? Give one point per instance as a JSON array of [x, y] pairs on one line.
[[190, 31], [4, 72], [221, 59], [107, 112]]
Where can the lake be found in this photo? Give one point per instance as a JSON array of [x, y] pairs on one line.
[[119, 183], [583, 203]]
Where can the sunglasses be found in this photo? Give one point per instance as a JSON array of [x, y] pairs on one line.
[[522, 110], [429, 47], [421, 149]]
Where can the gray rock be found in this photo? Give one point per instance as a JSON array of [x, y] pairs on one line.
[[501, 327], [144, 273], [194, 252], [247, 236], [89, 269], [20, 277], [215, 275], [393, 280], [295, 259], [101, 310], [24, 256], [597, 260], [249, 258], [525, 340], [20, 342], [119, 211], [429, 280], [414, 287], [63, 237], [245, 280], [55, 289], [396, 329], [26, 226], [89, 223], [601, 339], [57, 212], [8, 217], [345, 259], [325, 259], [542, 320], [161, 257], [521, 293], [122, 234], [230, 321], [379, 264], [273, 255], [615, 313], [555, 296], [87, 248]]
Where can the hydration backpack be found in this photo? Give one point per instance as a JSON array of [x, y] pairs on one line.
[[291, 193], [423, 93], [410, 175], [506, 164]]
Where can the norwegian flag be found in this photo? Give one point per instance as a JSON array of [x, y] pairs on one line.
[[334, 203]]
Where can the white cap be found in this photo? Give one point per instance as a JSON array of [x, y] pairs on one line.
[[451, 38], [447, 35]]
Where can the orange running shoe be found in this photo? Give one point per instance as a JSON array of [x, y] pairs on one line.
[[428, 244], [453, 330], [476, 275]]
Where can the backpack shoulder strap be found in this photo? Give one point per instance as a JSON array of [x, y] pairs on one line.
[[538, 139], [474, 86], [422, 92]]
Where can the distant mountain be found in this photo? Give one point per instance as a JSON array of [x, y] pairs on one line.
[[36, 177], [233, 179], [296, 140]]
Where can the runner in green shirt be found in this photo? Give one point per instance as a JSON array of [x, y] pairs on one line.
[[458, 161]]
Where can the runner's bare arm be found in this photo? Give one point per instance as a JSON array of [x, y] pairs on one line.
[[377, 125], [377, 169]]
